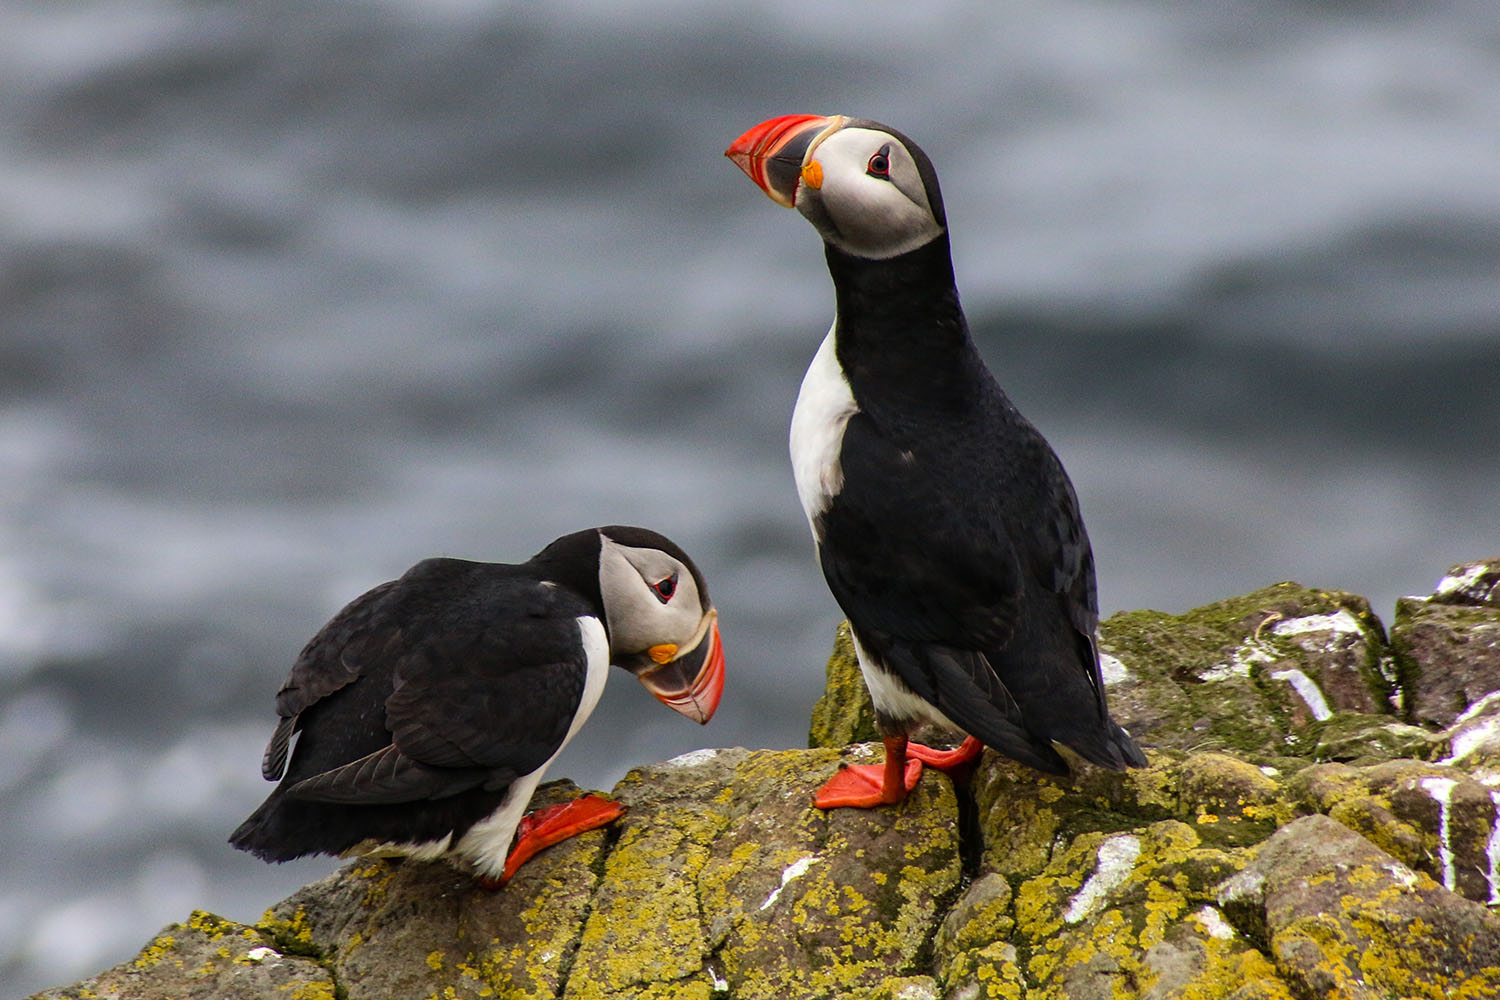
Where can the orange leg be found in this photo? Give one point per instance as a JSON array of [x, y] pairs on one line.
[[552, 825], [947, 760], [864, 786]]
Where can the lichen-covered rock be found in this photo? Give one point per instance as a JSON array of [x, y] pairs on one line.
[[721, 876], [725, 874], [1096, 922], [1354, 738], [1341, 918], [402, 929], [207, 958], [1436, 819], [844, 714], [906, 988], [1291, 837], [1447, 646], [1110, 887], [1114, 882]]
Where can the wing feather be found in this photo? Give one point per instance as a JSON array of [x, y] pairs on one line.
[[457, 675], [386, 777]]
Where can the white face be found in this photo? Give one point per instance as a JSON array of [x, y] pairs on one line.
[[870, 200], [650, 599]]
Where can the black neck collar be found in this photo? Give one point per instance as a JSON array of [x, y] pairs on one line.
[[899, 319], [913, 288]]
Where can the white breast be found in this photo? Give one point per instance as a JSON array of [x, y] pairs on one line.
[[891, 695], [824, 407]]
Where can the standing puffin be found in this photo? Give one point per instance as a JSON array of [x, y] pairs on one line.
[[945, 524], [427, 710]]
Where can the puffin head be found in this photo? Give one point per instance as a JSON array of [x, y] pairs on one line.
[[661, 625], [868, 189]]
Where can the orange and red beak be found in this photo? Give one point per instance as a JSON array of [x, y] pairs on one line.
[[773, 153], [693, 680]]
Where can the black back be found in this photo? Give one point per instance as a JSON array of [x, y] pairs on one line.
[[420, 703]]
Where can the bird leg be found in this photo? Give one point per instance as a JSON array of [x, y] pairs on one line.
[[864, 786], [550, 825], [947, 760]]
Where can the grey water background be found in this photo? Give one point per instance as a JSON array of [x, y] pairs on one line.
[[295, 294]]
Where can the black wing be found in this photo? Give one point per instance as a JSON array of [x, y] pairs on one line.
[[925, 550], [464, 679], [357, 636], [987, 556]]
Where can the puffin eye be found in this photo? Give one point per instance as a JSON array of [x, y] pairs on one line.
[[880, 163], [664, 589]]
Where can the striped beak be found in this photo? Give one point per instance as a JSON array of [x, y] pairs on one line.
[[774, 153]]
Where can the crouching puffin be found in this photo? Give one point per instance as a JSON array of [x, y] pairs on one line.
[[427, 711], [945, 524]]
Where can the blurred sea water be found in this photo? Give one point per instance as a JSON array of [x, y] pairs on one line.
[[295, 294]]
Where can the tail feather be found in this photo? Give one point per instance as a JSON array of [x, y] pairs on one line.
[[1110, 747], [259, 833], [966, 688]]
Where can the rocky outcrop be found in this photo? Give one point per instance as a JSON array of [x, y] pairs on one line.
[[1447, 646], [1306, 828]]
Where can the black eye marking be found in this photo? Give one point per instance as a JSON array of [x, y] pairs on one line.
[[880, 163], [664, 589]]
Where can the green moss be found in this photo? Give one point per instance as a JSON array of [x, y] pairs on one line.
[[1408, 668], [1202, 680], [1355, 738]]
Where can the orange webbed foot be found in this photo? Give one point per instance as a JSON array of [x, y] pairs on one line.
[[553, 824], [864, 786]]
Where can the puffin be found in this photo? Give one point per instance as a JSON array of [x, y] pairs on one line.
[[421, 718], [945, 525]]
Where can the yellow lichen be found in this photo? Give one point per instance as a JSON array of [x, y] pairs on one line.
[[210, 925], [297, 930], [155, 951], [1050, 793], [991, 969], [377, 874], [1230, 967]]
